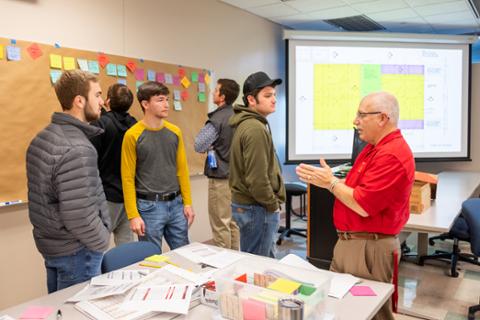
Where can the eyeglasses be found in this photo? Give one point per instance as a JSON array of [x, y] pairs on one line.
[[362, 115]]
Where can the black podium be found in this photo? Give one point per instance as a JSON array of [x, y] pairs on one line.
[[321, 233]]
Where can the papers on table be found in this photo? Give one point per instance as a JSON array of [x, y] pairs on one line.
[[195, 278], [340, 283], [196, 253], [118, 277], [203, 254], [173, 298], [6, 317], [94, 292], [108, 308]]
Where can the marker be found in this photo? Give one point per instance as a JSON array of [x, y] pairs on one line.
[[8, 203], [59, 314]]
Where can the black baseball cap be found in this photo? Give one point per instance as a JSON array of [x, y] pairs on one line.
[[258, 80]]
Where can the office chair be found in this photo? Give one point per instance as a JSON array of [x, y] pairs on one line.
[[292, 189], [465, 228], [128, 253], [472, 310]]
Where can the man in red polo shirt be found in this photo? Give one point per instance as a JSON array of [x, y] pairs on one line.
[[372, 203]]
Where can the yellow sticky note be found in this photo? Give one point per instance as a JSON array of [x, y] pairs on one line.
[[56, 61], [284, 285], [157, 258], [68, 63], [2, 49], [185, 82], [207, 78]]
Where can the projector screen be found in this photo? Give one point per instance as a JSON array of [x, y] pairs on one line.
[[328, 78]]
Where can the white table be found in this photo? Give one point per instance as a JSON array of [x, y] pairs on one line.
[[452, 189], [349, 307]]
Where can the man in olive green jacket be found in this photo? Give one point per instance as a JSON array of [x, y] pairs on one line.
[[255, 177]]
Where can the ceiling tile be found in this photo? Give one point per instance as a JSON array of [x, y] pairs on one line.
[[273, 10], [293, 19], [335, 13], [394, 15], [454, 18], [249, 3], [379, 6], [306, 6], [442, 8], [314, 25], [416, 3]]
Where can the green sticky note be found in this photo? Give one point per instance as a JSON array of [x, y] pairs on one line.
[[201, 97], [112, 69], [157, 258], [306, 290], [194, 76], [121, 70], [93, 66]]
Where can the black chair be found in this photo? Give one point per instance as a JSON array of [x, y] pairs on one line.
[[472, 310], [127, 254], [465, 228], [293, 189]]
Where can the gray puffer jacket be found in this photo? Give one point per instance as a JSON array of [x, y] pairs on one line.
[[66, 202]]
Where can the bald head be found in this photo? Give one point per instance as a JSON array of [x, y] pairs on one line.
[[384, 102]]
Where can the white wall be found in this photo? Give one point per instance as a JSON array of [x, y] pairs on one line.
[[205, 34]]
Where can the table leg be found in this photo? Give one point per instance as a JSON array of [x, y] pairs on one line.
[[422, 244]]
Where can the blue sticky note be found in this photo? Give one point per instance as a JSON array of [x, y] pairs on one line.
[[151, 75], [201, 87], [168, 78], [82, 64], [176, 94], [121, 70], [112, 69], [122, 81], [13, 41], [56, 45], [177, 105], [55, 75], [13, 53], [93, 66]]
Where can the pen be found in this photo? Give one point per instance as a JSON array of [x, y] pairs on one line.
[[7, 203], [59, 314]]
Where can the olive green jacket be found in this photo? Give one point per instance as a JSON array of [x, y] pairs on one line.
[[255, 174]]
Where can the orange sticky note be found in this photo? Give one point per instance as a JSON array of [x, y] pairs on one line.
[[56, 61], [68, 63], [34, 51], [131, 66], [103, 60]]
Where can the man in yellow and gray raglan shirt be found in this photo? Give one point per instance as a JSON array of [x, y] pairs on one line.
[[155, 175]]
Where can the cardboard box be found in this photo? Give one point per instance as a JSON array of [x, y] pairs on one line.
[[423, 191]]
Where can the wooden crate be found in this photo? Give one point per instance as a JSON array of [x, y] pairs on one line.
[[420, 198]]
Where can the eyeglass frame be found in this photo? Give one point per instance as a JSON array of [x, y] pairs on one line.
[[361, 115]]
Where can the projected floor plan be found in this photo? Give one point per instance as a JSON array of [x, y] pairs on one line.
[[338, 88]]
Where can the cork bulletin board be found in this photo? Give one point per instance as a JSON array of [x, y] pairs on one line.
[[27, 99]]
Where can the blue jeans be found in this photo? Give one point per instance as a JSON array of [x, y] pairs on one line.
[[257, 228], [164, 219], [65, 271]]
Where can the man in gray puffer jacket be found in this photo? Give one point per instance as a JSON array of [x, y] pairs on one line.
[[66, 202]]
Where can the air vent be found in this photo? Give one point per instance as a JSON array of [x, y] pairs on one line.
[[356, 23], [475, 4]]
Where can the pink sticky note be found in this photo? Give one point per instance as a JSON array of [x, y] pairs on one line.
[[362, 291], [254, 310], [36, 312], [160, 77], [176, 80], [139, 74]]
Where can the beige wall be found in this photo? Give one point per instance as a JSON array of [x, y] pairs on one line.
[[203, 33]]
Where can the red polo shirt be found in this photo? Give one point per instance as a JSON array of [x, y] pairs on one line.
[[382, 179]]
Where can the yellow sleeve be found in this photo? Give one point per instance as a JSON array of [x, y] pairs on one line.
[[128, 170], [182, 171]]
